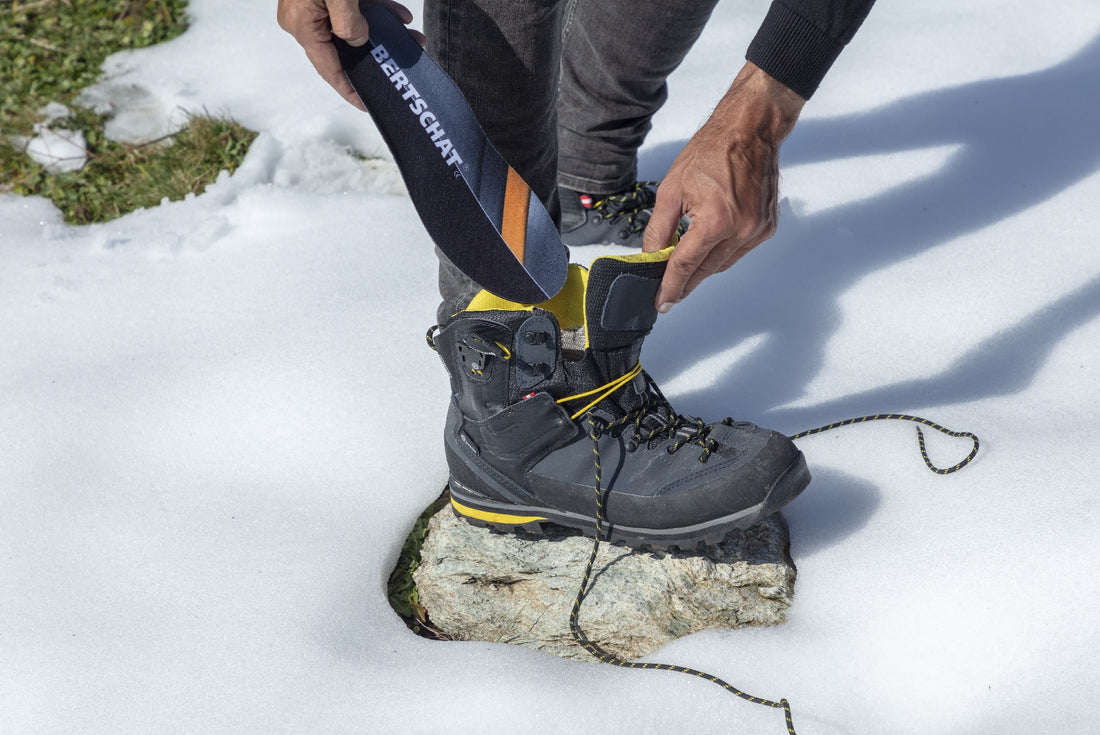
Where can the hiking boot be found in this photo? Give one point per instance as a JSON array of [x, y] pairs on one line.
[[550, 402], [607, 219]]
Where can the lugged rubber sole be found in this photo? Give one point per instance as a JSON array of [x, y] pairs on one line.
[[511, 517]]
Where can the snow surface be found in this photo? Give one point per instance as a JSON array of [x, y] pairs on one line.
[[57, 150], [220, 418]]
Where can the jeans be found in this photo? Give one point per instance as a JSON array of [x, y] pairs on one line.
[[565, 89]]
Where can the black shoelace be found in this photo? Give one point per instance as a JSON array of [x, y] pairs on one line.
[[651, 422], [655, 420], [697, 434], [630, 203]]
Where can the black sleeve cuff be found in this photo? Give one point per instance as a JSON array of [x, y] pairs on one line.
[[793, 50]]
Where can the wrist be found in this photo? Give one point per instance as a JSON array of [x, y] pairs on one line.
[[758, 103]]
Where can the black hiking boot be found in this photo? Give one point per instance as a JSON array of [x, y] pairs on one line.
[[607, 219], [534, 421]]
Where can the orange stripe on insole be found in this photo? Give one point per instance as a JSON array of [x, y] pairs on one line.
[[513, 228]]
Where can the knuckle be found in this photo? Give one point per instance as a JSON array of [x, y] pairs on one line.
[[755, 230], [341, 25], [285, 16], [343, 18], [683, 266]]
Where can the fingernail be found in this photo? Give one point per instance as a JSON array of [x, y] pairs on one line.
[[665, 307], [361, 40]]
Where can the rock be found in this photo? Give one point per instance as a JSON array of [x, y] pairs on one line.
[[478, 584]]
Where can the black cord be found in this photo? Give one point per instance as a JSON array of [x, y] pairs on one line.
[[601, 655], [920, 436]]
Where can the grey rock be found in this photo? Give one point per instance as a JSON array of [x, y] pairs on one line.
[[481, 585]]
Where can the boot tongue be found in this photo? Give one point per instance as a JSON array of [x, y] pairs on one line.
[[619, 313], [618, 300]]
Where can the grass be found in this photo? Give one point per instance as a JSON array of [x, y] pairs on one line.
[[50, 50], [402, 588]]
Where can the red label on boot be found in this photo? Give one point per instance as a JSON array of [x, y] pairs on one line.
[[586, 201]]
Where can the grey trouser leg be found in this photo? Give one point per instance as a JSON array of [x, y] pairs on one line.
[[616, 55], [504, 55], [612, 57]]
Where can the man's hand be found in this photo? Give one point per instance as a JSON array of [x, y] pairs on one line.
[[726, 180], [314, 22]]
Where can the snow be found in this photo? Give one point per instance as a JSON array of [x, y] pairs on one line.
[[57, 150], [220, 418]]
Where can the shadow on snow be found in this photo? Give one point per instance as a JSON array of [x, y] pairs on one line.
[[1021, 140]]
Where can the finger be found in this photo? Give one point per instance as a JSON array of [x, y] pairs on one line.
[[706, 269], [406, 17], [726, 254], [347, 22], [661, 228], [399, 10], [325, 60], [682, 265]]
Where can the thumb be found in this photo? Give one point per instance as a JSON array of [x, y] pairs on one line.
[[661, 228]]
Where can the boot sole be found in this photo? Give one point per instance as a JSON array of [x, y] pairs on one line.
[[511, 517]]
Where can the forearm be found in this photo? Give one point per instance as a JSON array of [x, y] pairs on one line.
[[800, 39]]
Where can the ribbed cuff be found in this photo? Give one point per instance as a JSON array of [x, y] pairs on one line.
[[792, 50]]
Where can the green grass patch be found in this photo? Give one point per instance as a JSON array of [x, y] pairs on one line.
[[402, 588], [119, 178], [52, 49]]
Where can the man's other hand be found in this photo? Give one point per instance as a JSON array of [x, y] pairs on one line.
[[313, 23], [726, 181]]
